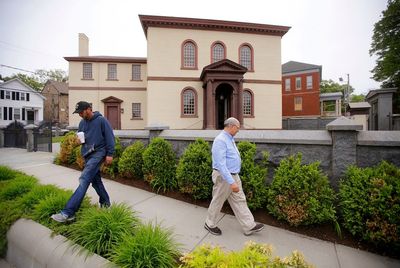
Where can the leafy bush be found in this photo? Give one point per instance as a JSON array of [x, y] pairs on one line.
[[301, 194], [79, 160], [38, 192], [131, 162], [67, 145], [252, 255], [370, 203], [253, 176], [194, 170], [10, 212], [99, 230], [159, 165], [20, 185], [151, 246], [113, 168], [7, 174]]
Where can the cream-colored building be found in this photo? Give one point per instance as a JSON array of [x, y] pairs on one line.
[[197, 73]]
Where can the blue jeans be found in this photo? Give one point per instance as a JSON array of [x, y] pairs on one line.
[[90, 174]]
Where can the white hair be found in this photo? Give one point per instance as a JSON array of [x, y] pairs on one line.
[[231, 121]]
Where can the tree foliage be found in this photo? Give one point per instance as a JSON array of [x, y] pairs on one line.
[[37, 80], [386, 46]]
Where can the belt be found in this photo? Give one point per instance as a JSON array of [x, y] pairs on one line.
[[233, 174]]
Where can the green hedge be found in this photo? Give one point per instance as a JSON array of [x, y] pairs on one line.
[[194, 170], [131, 163], [370, 204]]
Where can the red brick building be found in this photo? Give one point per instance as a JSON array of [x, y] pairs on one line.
[[300, 89]]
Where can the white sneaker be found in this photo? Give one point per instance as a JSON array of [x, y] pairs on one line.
[[59, 217]]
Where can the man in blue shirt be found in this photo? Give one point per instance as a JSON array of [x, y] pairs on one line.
[[97, 147], [226, 164]]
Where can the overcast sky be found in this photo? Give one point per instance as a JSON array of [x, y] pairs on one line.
[[337, 34]]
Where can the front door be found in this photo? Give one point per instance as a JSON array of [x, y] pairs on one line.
[[223, 103], [30, 116], [112, 116]]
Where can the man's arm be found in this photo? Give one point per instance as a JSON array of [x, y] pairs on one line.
[[110, 141]]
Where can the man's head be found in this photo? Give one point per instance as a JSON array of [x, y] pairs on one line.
[[232, 126], [84, 109]]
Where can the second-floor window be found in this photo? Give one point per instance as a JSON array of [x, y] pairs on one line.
[[189, 55], [246, 57], [87, 71], [287, 84], [217, 52], [309, 82], [112, 72], [298, 83], [136, 72]]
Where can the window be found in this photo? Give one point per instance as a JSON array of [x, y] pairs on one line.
[[247, 103], [217, 52], [17, 114], [1, 113], [8, 95], [112, 72], [23, 96], [246, 57], [189, 102], [309, 81], [298, 83], [87, 71], [298, 103], [189, 55], [287, 84], [136, 75], [136, 110]]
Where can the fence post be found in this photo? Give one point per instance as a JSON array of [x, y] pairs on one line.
[[344, 146], [30, 139], [154, 131], [2, 136]]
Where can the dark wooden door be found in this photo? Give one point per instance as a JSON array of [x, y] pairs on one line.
[[113, 116]]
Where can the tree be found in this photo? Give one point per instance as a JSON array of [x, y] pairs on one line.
[[31, 80], [329, 86], [40, 77], [386, 46], [357, 98]]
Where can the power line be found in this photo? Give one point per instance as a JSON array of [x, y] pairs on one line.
[[15, 68]]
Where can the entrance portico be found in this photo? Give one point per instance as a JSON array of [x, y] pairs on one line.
[[223, 92]]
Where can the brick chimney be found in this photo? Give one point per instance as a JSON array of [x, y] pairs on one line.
[[83, 45]]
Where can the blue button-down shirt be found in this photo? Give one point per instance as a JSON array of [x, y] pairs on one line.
[[225, 156]]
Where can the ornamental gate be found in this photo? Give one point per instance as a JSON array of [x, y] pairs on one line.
[[42, 137], [15, 135]]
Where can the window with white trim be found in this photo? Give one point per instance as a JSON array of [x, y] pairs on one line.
[[17, 113], [247, 103], [189, 107], [246, 57], [87, 71], [218, 52], [298, 83], [8, 95], [136, 110], [22, 96], [287, 84], [309, 81], [189, 55], [298, 103], [112, 72], [136, 74]]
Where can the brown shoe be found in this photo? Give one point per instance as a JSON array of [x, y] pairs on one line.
[[214, 231], [257, 228]]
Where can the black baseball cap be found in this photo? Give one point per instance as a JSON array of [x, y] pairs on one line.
[[81, 106]]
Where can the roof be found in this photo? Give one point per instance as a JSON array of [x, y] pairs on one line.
[[374, 92], [210, 25], [359, 105], [4, 85], [60, 86], [116, 59], [295, 66], [330, 96]]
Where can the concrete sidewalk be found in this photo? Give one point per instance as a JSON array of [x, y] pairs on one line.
[[187, 220]]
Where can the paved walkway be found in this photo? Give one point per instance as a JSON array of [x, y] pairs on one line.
[[187, 220]]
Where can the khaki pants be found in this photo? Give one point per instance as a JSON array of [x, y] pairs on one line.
[[221, 192]]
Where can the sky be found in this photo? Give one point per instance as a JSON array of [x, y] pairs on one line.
[[337, 34]]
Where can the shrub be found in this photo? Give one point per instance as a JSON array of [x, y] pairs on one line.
[[369, 199], [38, 192], [113, 168], [10, 212], [99, 230], [194, 170], [301, 194], [66, 155], [253, 176], [252, 255], [159, 165], [7, 174], [131, 162], [20, 185], [79, 160], [151, 246]]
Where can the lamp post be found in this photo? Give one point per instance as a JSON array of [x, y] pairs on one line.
[[346, 93]]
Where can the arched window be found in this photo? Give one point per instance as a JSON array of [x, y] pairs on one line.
[[189, 103], [217, 52], [246, 56], [248, 103], [189, 55]]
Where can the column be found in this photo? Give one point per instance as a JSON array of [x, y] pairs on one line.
[[210, 108]]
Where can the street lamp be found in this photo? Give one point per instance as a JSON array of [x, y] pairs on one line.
[[346, 92]]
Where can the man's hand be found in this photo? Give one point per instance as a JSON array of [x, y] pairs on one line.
[[235, 187], [109, 160]]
